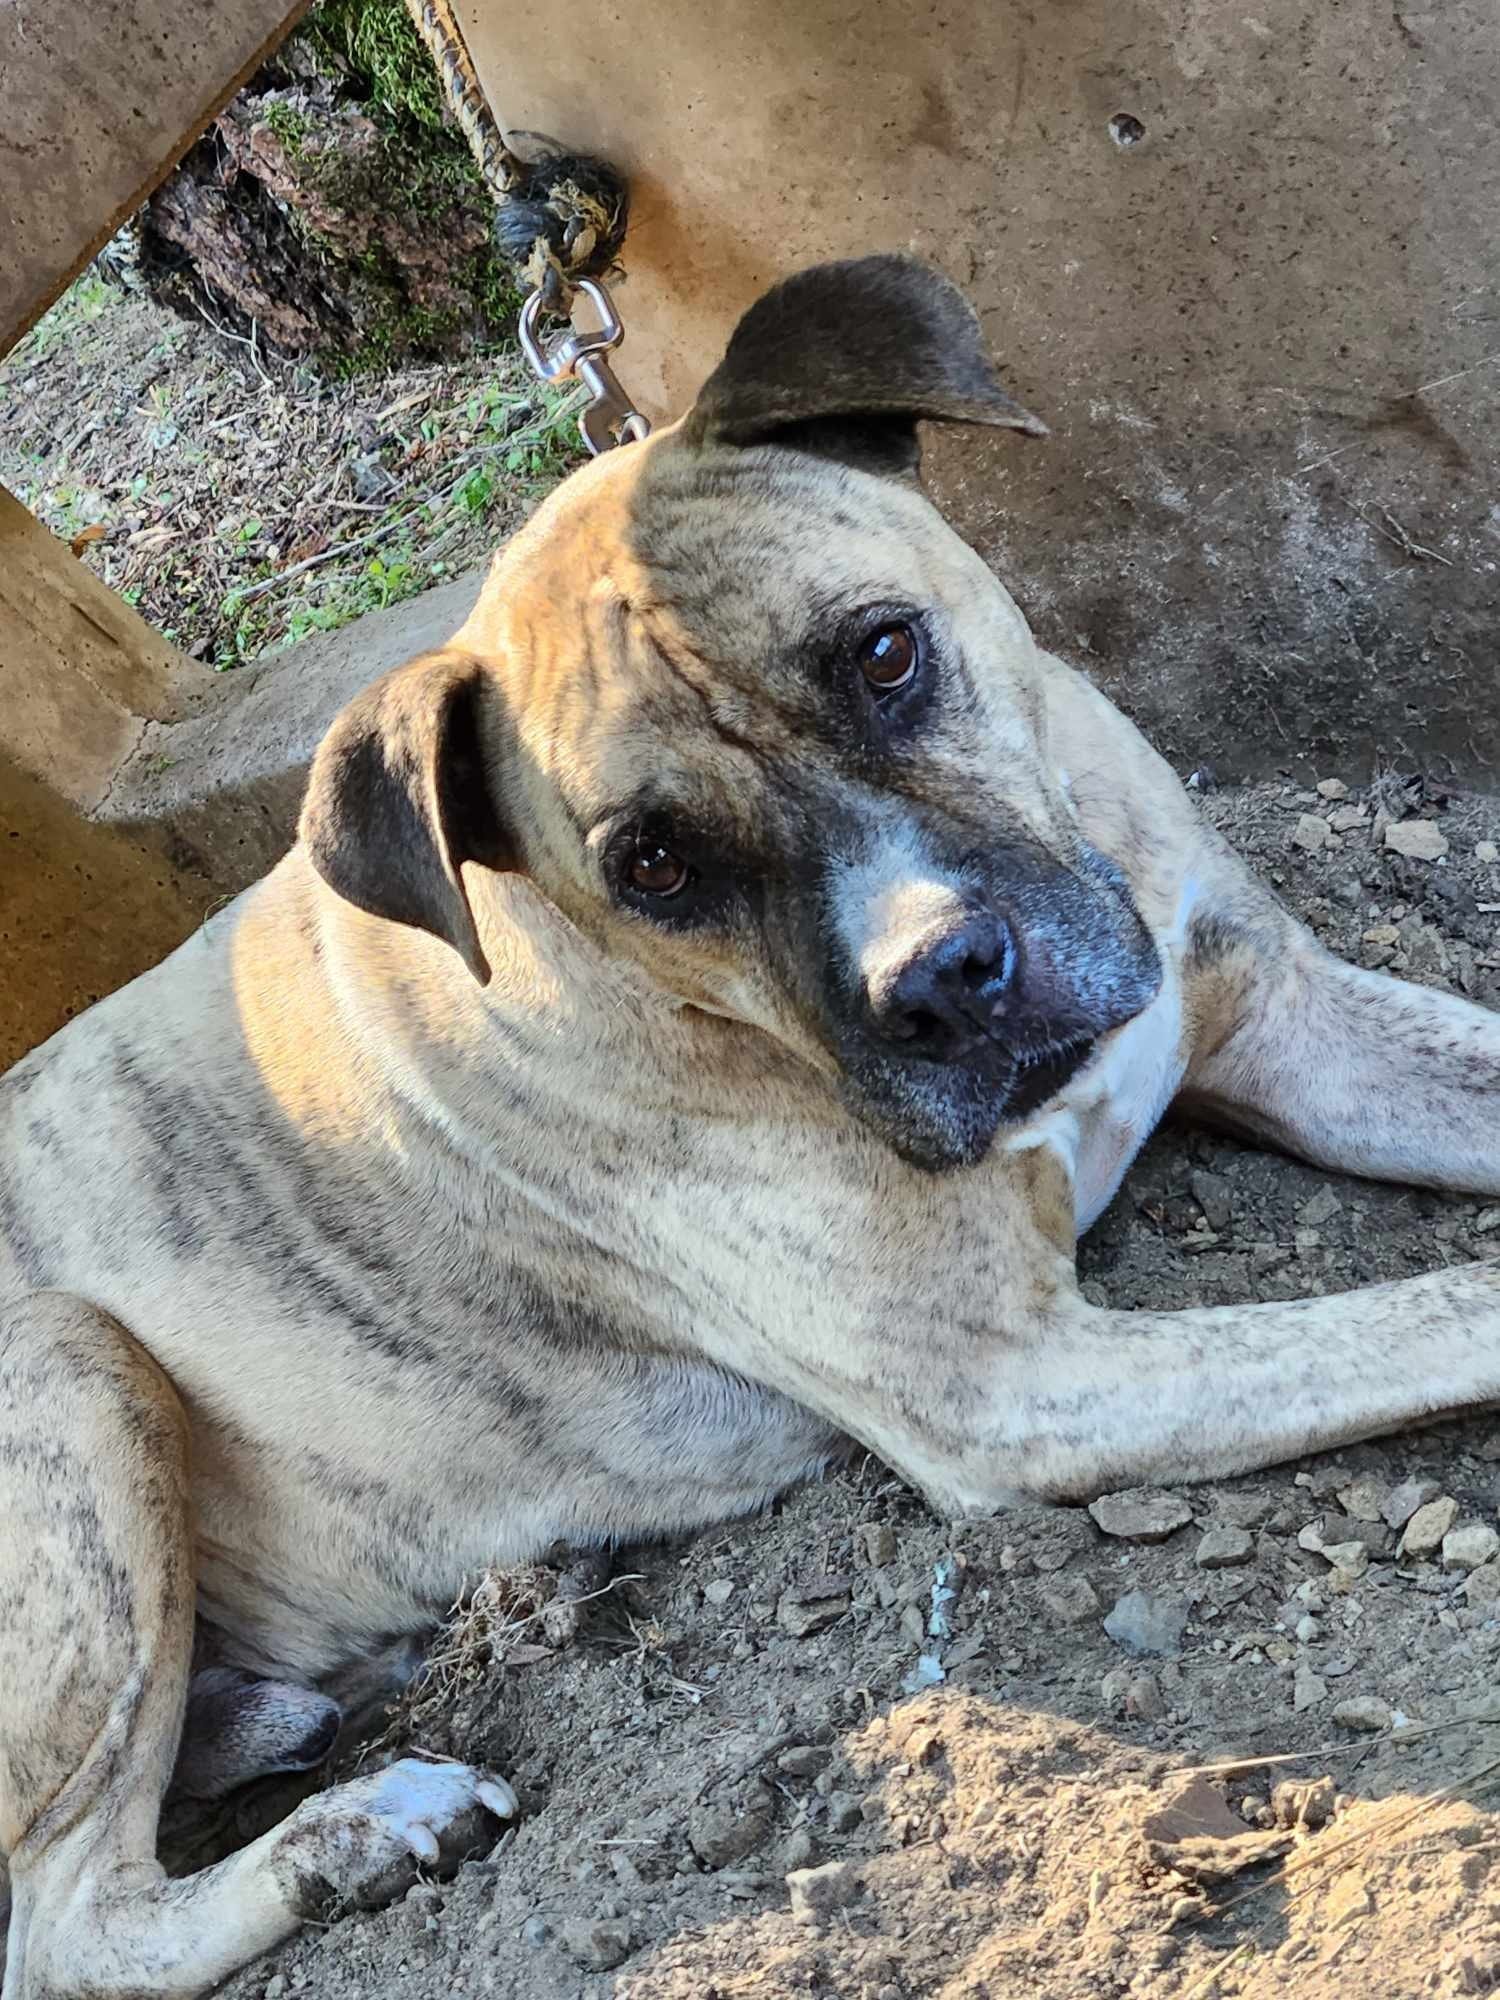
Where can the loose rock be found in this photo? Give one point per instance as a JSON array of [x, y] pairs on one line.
[[1403, 1501], [1363, 1498], [719, 1591], [1481, 1587], [1150, 1627], [1427, 1527], [1332, 788], [1471, 1546], [1310, 832], [1362, 1711], [1308, 1689], [817, 1892], [1225, 1548], [1140, 1514], [1214, 1196], [1303, 1801], [1417, 839], [723, 1833], [1486, 851], [1070, 1600], [599, 1945], [813, 1608], [804, 1760], [877, 1541]]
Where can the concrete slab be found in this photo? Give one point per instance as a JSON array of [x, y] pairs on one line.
[[97, 104], [1242, 261], [83, 908], [222, 789]]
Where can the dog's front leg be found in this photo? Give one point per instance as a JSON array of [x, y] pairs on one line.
[[1086, 1400], [1349, 1069]]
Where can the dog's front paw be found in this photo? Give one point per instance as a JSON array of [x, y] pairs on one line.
[[363, 1842]]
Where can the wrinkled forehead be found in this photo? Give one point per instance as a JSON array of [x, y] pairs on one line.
[[670, 612]]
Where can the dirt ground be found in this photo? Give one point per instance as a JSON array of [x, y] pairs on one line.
[[243, 501], [994, 1796]]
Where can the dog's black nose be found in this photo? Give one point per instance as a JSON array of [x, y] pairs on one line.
[[942, 1003]]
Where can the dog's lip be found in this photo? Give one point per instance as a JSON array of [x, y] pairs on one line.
[[1041, 1074]]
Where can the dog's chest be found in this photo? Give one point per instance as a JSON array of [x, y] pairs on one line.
[[1099, 1124]]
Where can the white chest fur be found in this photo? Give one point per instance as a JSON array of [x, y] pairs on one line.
[[1098, 1124]]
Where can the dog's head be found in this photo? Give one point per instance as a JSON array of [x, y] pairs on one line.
[[749, 713]]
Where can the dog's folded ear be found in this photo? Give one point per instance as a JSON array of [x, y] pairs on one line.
[[400, 796], [844, 359]]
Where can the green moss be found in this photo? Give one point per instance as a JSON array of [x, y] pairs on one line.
[[290, 125], [376, 41]]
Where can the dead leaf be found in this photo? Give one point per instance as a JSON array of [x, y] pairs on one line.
[[95, 532]]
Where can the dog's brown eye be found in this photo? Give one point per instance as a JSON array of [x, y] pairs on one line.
[[656, 871], [888, 658]]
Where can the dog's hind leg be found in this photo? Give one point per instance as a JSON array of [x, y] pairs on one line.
[[1349, 1069], [96, 1621]]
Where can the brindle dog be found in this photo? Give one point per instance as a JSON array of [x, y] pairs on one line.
[[704, 1004]]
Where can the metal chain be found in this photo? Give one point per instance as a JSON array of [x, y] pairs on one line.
[[588, 220]]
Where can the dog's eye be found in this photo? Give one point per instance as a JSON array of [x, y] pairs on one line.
[[888, 659], [655, 870]]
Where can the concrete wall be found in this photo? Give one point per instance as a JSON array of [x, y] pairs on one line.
[[1266, 335], [97, 104]]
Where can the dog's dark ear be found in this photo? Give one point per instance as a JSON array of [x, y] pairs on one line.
[[399, 798], [843, 360]]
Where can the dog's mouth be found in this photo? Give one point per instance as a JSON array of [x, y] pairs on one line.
[[1041, 1074]]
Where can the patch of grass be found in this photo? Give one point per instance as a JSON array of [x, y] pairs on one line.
[[85, 299]]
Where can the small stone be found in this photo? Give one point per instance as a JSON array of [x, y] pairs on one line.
[[1225, 1548], [1308, 1688], [1417, 839], [1481, 1587], [1347, 818], [1214, 1196], [1148, 1626], [804, 1760], [1427, 1527], [877, 1542], [1486, 1222], [1070, 1600], [1318, 1209], [1352, 1556], [1140, 1514], [808, 1611], [1488, 1448], [1362, 1711], [1487, 852], [1306, 1629], [719, 1591], [1310, 832], [817, 1892], [1332, 788], [1403, 1501], [843, 1812], [275, 1986], [1363, 1498], [798, 1850], [536, 1931], [1471, 1546], [600, 1945], [1249, 1509], [721, 1834], [1304, 1801], [1144, 1700]]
